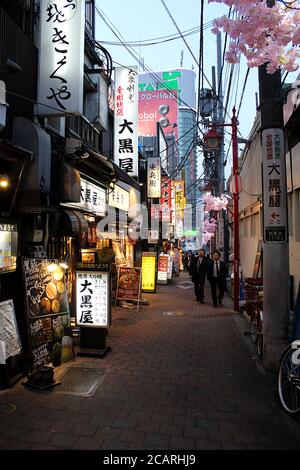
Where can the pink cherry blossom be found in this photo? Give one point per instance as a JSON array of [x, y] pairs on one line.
[[262, 34]]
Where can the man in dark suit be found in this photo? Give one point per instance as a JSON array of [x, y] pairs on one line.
[[199, 270], [217, 277]]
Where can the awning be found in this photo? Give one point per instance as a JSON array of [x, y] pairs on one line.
[[123, 176], [74, 221]]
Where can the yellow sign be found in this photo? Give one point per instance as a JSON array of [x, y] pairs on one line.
[[179, 199], [148, 272]]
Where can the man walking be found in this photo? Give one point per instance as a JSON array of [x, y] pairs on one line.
[[199, 270], [217, 277]]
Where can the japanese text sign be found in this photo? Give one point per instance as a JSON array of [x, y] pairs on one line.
[[61, 57], [148, 272], [92, 198], [166, 199], [92, 298], [153, 178], [125, 123], [274, 194], [129, 283], [119, 198]]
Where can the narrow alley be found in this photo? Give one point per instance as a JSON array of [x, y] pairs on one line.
[[180, 375]]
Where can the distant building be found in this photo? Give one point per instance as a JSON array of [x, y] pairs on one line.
[[169, 97]]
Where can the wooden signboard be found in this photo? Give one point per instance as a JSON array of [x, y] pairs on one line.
[[47, 312], [129, 284]]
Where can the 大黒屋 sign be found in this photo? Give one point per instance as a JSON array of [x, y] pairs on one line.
[[92, 198], [274, 194], [92, 298], [61, 57], [126, 114]]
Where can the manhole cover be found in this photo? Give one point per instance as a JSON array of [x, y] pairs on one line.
[[170, 314], [7, 408], [81, 381]]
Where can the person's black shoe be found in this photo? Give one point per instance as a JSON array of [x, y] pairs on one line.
[[201, 301], [215, 306], [220, 302]]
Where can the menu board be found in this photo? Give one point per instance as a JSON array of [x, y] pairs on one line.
[[8, 247], [163, 265], [48, 312], [149, 272], [10, 344], [129, 283], [93, 298]]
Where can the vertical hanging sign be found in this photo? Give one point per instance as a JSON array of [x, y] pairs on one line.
[[153, 178], [125, 126], [274, 197], [166, 199], [61, 57]]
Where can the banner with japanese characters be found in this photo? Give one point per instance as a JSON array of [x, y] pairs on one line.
[[61, 57], [93, 298], [162, 271], [126, 116], [166, 199], [92, 198], [274, 195], [153, 178]]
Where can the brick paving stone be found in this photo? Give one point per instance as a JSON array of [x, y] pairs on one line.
[[182, 443], [153, 439], [162, 418], [109, 433], [198, 433], [84, 430], [39, 437], [231, 426], [124, 423], [233, 446], [2, 443], [65, 441], [207, 423], [185, 420], [18, 445], [88, 443], [216, 435], [60, 426], [171, 429], [132, 436], [114, 445], [207, 445]]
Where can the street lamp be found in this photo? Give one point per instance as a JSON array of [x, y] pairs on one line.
[[213, 141]]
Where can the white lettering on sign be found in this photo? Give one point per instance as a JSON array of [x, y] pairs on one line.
[[274, 192], [61, 57]]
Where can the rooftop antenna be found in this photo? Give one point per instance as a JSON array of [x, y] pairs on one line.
[[181, 61]]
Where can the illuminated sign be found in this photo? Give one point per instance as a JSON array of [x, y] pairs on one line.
[[92, 198], [8, 247], [153, 178], [119, 198], [148, 272], [125, 122], [166, 199], [92, 298], [61, 57], [162, 271]]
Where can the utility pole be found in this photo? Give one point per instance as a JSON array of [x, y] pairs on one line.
[[275, 230]]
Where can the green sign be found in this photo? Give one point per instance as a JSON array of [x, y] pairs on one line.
[[190, 233]]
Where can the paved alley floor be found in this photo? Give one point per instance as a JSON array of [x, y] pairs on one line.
[[184, 381]]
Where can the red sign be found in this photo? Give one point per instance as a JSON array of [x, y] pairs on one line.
[[166, 199], [129, 283], [163, 263], [157, 106]]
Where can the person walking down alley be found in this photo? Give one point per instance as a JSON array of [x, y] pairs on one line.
[[199, 272], [217, 277]]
